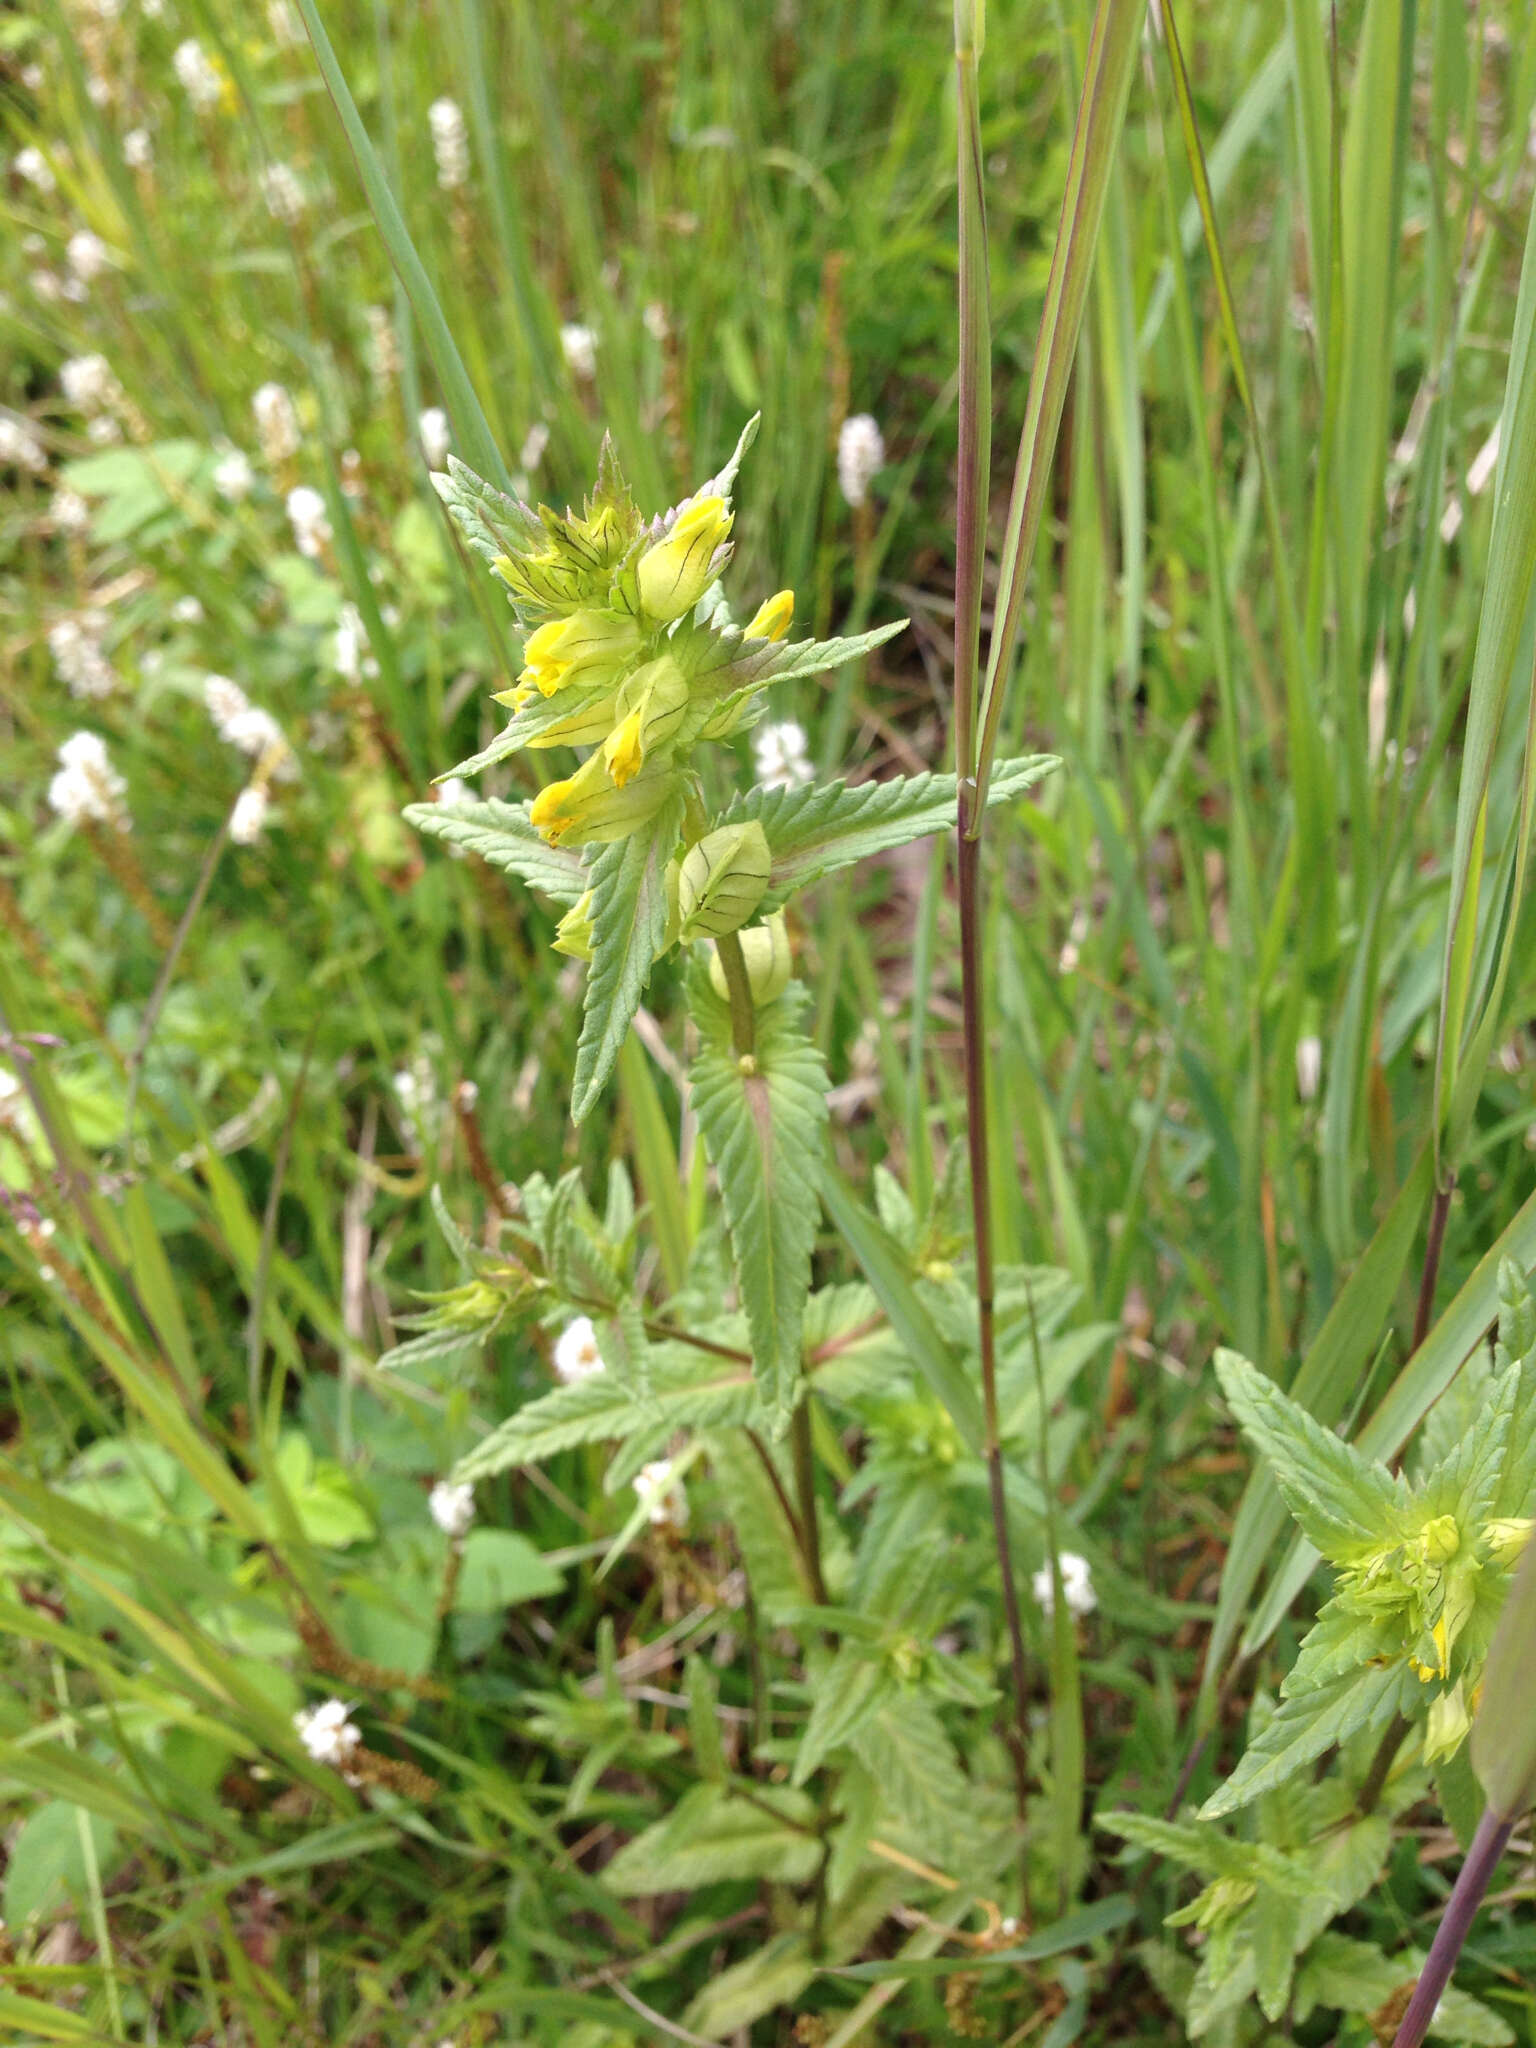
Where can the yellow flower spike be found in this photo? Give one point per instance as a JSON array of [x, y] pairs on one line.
[[585, 651], [650, 708], [675, 573], [771, 619]]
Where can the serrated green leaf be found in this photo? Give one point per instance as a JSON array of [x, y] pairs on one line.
[[629, 927], [1306, 1725], [814, 832], [1195, 1846], [845, 1693], [501, 1569], [710, 1837], [1346, 1505], [501, 834], [1354, 1976], [431, 1344], [763, 1131], [692, 1391]]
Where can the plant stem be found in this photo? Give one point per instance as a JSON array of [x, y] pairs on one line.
[[1488, 1844], [1433, 1245], [981, 1224], [743, 1016], [1381, 1765], [805, 1488]]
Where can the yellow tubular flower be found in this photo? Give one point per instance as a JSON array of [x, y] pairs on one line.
[[675, 573], [586, 809], [582, 652], [650, 708], [771, 619]]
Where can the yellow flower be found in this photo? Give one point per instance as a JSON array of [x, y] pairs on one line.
[[771, 619], [650, 709], [585, 651], [675, 573], [586, 809]]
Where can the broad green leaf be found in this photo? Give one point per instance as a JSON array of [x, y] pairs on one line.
[[814, 832], [1302, 1728], [887, 1271], [709, 1836], [45, 1862], [501, 834], [1353, 1976], [689, 1390], [844, 1694], [1346, 1506], [762, 1123], [501, 1569], [629, 925]]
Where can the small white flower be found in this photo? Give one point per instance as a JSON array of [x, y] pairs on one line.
[[661, 1494], [350, 652], [89, 384], [534, 443], [450, 143], [277, 423], [244, 725], [33, 77], [306, 515], [20, 447], [233, 476], [103, 430], [578, 344], [45, 286], [201, 79], [1076, 1585], [86, 255], [327, 1732], [87, 788], [34, 167], [576, 1354], [860, 455], [453, 789], [286, 29], [248, 819], [1309, 1067], [12, 1098], [187, 611], [433, 429], [452, 1507], [98, 90], [138, 149], [780, 756], [655, 322], [83, 667], [69, 512], [282, 193]]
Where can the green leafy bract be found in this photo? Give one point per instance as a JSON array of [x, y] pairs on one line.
[[813, 832], [629, 927], [501, 834], [762, 1124]]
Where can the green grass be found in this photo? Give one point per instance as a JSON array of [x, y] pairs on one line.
[[1294, 808]]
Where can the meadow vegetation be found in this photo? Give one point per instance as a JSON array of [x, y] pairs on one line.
[[515, 1524]]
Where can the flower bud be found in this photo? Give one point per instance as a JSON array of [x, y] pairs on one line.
[[650, 708], [1507, 1537], [573, 934], [586, 810], [771, 619], [675, 573], [589, 650], [589, 720], [724, 878], [765, 949], [1447, 1724]]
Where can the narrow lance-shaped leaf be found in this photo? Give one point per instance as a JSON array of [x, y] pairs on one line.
[[762, 1121], [629, 925], [1112, 46]]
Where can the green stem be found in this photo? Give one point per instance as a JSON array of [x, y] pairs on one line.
[[743, 1014], [805, 1488]]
